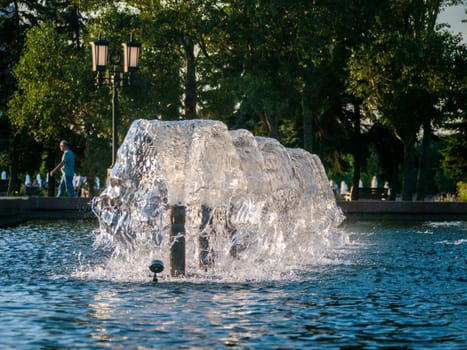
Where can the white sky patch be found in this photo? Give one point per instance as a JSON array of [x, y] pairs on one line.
[[453, 16]]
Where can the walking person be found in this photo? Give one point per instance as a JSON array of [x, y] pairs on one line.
[[67, 165]]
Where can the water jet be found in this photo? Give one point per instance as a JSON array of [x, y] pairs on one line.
[[209, 199]]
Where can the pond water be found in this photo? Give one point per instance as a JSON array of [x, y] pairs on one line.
[[389, 286]]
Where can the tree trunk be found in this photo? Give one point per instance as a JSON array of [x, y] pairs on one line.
[[190, 79], [50, 164], [13, 183], [76, 26], [90, 180], [357, 152], [307, 123], [13, 179], [423, 163], [266, 122], [275, 126], [409, 170]]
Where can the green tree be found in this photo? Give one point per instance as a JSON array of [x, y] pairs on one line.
[[454, 154], [16, 18], [277, 68], [403, 76], [51, 87]]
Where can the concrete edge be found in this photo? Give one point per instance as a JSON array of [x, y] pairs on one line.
[[404, 211], [16, 210]]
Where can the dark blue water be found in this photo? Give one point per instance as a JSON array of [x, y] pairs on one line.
[[391, 287]]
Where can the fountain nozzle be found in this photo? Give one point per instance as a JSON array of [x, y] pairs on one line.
[[156, 266]]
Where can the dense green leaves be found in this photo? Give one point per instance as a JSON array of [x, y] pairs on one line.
[[43, 103], [334, 77], [404, 75]]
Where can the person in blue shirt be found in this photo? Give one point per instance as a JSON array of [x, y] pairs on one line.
[[67, 165]]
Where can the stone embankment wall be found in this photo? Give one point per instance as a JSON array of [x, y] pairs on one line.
[[16, 210], [403, 211]]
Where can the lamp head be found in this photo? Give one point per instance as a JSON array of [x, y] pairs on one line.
[[131, 50], [100, 50]]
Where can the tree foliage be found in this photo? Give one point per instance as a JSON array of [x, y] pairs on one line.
[[334, 77], [404, 75], [43, 103]]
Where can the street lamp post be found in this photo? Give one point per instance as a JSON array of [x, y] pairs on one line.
[[113, 76]]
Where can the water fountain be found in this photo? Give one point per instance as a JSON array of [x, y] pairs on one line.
[[267, 264], [204, 198]]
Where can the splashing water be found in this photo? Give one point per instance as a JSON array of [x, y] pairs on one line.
[[255, 210]]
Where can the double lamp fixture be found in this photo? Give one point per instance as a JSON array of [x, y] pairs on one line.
[[113, 76]]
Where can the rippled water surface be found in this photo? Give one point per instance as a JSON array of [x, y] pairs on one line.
[[397, 286]]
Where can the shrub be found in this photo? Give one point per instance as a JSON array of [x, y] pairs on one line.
[[462, 191]]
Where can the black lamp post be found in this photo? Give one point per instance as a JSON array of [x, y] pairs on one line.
[[113, 76]]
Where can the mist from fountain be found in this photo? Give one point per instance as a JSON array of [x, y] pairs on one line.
[[255, 209]]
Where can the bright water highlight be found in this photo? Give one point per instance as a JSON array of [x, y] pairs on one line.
[[387, 286], [253, 209]]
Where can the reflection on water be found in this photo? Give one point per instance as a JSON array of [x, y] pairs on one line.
[[390, 286]]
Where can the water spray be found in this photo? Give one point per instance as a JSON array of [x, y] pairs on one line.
[[202, 198]]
